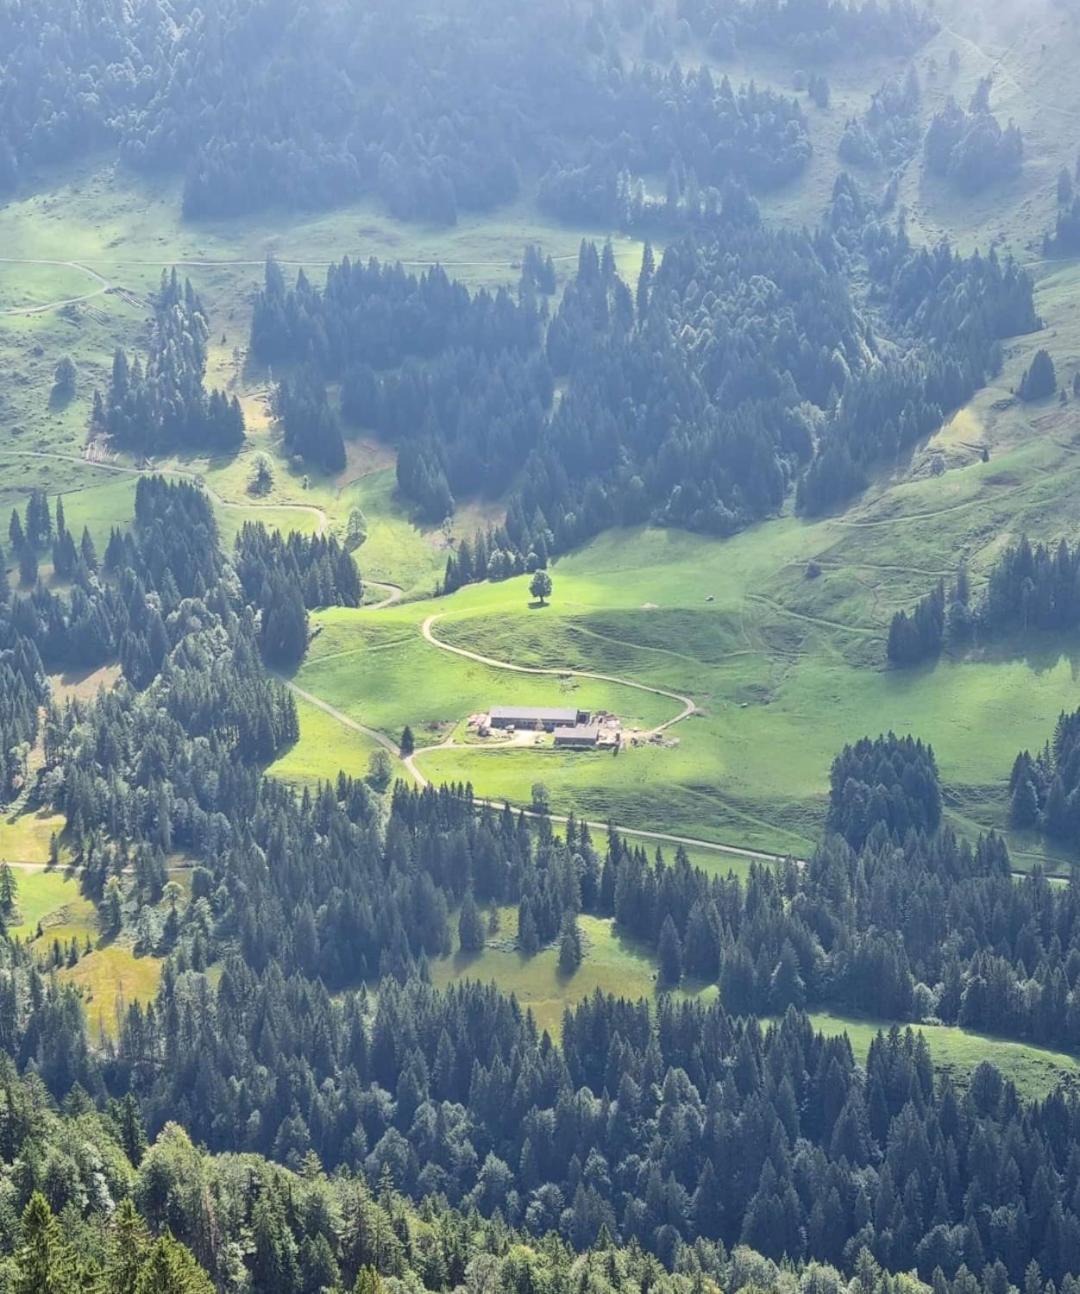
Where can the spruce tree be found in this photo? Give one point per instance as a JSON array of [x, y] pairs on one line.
[[9, 891], [45, 1263], [170, 1268], [470, 926], [570, 950], [1040, 380], [671, 956], [128, 1249]]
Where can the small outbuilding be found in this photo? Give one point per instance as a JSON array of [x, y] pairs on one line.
[[584, 736]]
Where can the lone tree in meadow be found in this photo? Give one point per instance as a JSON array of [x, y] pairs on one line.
[[65, 376], [261, 476], [380, 770], [1040, 380], [470, 926], [540, 586], [570, 950], [408, 742]]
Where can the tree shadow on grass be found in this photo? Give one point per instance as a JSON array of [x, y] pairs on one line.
[[1040, 650], [463, 959]]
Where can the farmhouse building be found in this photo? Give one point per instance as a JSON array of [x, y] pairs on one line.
[[582, 736], [531, 716]]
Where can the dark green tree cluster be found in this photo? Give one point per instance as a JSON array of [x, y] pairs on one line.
[[692, 402], [919, 636], [948, 314], [1039, 381], [162, 405], [1065, 239], [171, 553], [537, 271], [380, 315], [699, 399], [1045, 790], [889, 131], [32, 533], [93, 1206], [22, 692], [943, 617], [310, 424], [889, 782], [316, 564], [970, 149], [428, 107], [1031, 588], [71, 560], [464, 424], [456, 379], [715, 134], [718, 1130], [695, 400]]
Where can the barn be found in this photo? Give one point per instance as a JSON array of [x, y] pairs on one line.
[[531, 716], [584, 736]]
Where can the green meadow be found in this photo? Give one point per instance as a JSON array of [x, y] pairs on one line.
[[109, 976], [323, 742], [43, 895], [783, 669]]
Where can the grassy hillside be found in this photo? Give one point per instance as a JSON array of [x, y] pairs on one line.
[[784, 668]]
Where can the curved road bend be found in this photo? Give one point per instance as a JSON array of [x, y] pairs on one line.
[[688, 706]]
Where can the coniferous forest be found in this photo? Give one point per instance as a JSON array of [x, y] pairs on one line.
[[684, 1131], [306, 106], [696, 397], [742, 309]]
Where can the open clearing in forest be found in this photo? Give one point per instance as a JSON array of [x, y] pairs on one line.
[[110, 976], [784, 668], [614, 964]]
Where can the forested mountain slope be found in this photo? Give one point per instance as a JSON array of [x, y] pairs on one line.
[[727, 321], [434, 107], [693, 1123]]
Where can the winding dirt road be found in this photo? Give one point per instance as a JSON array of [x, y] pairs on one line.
[[346, 722], [688, 706], [103, 286], [308, 509]]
